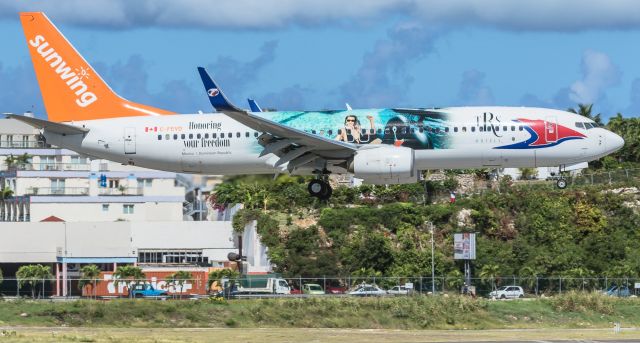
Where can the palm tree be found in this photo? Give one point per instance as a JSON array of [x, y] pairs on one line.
[[5, 193], [33, 274], [490, 273], [585, 111], [90, 274], [132, 274]]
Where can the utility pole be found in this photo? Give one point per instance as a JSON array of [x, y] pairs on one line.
[[433, 269]]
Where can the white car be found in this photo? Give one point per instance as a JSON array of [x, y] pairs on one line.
[[368, 290], [507, 292], [398, 290]]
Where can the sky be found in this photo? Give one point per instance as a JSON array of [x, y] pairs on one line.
[[312, 55]]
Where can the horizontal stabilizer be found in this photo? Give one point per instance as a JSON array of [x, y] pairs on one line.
[[63, 129]]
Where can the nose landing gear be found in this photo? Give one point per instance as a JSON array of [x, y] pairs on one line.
[[561, 183]]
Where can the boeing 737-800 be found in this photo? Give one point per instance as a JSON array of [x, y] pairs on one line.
[[380, 146]]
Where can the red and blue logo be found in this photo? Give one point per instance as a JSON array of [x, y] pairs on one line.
[[544, 134]]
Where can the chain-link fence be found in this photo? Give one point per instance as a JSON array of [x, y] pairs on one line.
[[533, 286]]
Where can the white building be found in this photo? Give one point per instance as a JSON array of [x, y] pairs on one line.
[[47, 183]]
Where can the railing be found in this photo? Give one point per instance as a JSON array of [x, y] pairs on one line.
[[121, 191], [51, 166], [532, 286], [23, 144], [57, 191]]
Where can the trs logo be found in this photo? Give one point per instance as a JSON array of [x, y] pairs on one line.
[[544, 134], [72, 79]]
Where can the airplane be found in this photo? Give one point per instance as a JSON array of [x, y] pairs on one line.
[[379, 146]]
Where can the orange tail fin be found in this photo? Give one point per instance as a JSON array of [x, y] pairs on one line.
[[71, 88]]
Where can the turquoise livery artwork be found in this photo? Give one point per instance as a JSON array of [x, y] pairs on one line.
[[412, 128]]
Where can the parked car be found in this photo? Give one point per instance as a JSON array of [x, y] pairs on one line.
[[368, 290], [398, 290], [618, 291], [507, 292], [336, 290], [147, 290], [312, 288]]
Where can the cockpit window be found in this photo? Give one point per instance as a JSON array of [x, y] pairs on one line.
[[588, 126], [580, 125]]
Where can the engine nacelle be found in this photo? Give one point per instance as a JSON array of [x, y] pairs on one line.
[[384, 165]]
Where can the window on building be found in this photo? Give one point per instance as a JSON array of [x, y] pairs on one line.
[[57, 186], [146, 182], [127, 208], [78, 160], [105, 207], [113, 183]]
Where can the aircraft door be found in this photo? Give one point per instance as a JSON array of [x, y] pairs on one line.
[[129, 140], [551, 129]]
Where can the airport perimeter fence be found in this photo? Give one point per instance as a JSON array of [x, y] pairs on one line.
[[533, 286]]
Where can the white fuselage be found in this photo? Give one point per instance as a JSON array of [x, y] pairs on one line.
[[467, 137]]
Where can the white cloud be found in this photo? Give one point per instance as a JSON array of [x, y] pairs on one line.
[[536, 15], [598, 74]]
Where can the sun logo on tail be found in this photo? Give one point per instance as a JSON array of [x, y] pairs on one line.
[[213, 92]]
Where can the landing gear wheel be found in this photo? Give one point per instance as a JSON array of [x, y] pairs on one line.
[[561, 183], [317, 188], [327, 192]]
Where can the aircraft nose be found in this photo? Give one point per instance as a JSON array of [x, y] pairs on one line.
[[614, 142]]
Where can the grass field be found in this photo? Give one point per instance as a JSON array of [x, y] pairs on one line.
[[299, 335], [326, 319]]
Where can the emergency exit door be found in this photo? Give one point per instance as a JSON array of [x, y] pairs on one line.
[[129, 140], [551, 129]]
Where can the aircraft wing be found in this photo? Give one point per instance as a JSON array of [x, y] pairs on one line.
[[277, 138], [60, 128]]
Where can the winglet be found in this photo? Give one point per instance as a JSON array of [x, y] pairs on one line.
[[253, 105], [218, 100]]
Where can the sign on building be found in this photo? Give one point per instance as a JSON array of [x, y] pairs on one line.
[[464, 246]]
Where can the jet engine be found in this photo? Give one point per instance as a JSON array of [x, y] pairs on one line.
[[384, 165]]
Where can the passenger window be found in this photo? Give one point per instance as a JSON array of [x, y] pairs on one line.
[[255, 134], [206, 136], [473, 129], [230, 135], [247, 134], [520, 128], [198, 136], [159, 137], [213, 135], [167, 136], [464, 129], [505, 128], [497, 128], [330, 132], [513, 128], [182, 136], [221, 134], [191, 136], [237, 134], [446, 129], [175, 136], [481, 129], [455, 129]]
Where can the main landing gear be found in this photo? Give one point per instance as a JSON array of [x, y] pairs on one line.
[[320, 187]]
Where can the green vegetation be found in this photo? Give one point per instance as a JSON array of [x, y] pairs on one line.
[[572, 310], [33, 275], [89, 275], [179, 278]]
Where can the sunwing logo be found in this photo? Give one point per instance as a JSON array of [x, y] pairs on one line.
[[213, 92], [540, 132], [73, 79]]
